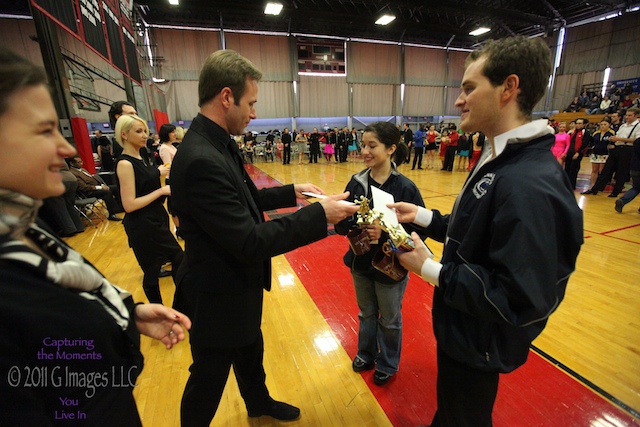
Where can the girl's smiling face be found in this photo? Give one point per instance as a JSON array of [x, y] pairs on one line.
[[374, 152]]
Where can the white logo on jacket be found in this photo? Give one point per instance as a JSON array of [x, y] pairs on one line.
[[480, 189]]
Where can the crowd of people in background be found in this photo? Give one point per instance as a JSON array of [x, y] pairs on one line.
[[337, 145], [612, 146], [597, 102]]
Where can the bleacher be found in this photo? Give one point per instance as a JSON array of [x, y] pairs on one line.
[[569, 117]]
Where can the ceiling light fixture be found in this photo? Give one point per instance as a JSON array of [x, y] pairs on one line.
[[174, 2], [273, 9], [385, 19], [479, 31]]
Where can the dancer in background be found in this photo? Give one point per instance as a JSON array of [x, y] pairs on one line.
[[146, 221]]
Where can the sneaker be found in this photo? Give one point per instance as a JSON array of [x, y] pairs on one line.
[[619, 205], [380, 378], [360, 365]]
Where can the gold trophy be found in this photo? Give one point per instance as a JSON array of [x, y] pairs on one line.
[[399, 239]]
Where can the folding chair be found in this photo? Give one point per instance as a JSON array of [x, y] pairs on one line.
[[88, 207]]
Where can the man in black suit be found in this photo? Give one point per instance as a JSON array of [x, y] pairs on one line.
[[286, 146], [229, 245]]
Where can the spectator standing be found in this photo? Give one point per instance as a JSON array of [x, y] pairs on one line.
[[286, 147], [561, 146], [477, 138], [418, 147], [301, 143], [432, 139], [464, 145], [407, 137], [167, 151], [329, 147], [620, 153], [600, 150], [105, 153], [117, 109], [353, 145], [578, 144], [445, 140], [616, 119], [314, 146], [634, 168], [146, 221], [452, 147]]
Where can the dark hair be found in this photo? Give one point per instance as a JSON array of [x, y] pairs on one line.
[[529, 59], [116, 109], [17, 73], [225, 68], [606, 119], [164, 132], [388, 134]]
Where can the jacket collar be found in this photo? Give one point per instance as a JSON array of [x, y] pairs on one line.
[[210, 129], [521, 134], [363, 177]]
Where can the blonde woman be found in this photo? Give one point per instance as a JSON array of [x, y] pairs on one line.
[[301, 144], [146, 221]]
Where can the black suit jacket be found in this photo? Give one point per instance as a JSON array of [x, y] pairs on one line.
[[228, 244]]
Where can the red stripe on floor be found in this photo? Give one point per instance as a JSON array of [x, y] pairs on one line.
[[536, 394]]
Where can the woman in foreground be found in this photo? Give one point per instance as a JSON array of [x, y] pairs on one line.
[[69, 339]]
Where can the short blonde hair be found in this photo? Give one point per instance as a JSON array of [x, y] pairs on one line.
[[124, 124], [179, 133]]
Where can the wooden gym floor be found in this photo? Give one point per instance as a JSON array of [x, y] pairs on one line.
[[584, 371]]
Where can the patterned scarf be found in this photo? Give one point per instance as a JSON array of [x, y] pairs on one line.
[[63, 266]]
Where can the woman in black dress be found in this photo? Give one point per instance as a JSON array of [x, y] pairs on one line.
[[146, 221]]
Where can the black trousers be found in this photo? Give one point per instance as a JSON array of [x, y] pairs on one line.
[[286, 156], [209, 373], [417, 158], [108, 197], [465, 395], [572, 167], [449, 157], [618, 162]]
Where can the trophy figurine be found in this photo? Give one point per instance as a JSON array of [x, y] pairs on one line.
[[399, 239]]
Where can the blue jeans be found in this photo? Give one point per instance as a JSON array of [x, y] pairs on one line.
[[380, 334], [631, 193]]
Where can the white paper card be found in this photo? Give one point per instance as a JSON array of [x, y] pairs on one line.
[[380, 201]]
